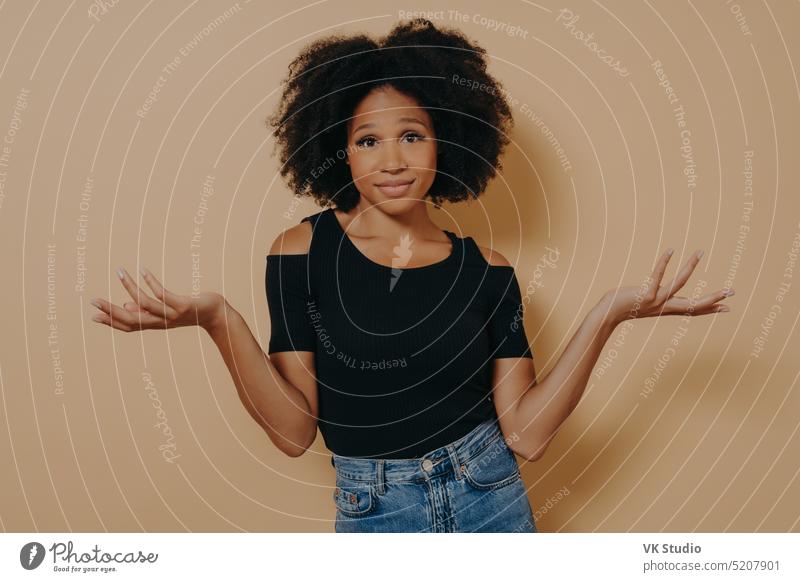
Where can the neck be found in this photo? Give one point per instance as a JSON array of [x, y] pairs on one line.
[[373, 221]]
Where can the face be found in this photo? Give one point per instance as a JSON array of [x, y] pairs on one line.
[[391, 150]]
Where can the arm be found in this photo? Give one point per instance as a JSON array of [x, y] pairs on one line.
[[535, 411], [272, 396], [280, 393]]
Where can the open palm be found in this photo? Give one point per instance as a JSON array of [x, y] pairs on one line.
[[654, 299], [167, 310]]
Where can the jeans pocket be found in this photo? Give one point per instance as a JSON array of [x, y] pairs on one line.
[[493, 467], [354, 498]]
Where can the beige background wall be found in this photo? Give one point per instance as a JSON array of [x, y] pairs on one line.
[[712, 446]]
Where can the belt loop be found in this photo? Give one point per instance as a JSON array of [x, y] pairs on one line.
[[380, 477], [454, 459]]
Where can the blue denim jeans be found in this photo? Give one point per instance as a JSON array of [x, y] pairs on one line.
[[470, 485]]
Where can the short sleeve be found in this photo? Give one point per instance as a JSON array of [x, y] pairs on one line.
[[290, 301], [507, 336]]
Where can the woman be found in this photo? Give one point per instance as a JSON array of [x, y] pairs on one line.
[[403, 343]]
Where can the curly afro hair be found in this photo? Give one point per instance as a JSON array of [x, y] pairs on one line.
[[440, 69]]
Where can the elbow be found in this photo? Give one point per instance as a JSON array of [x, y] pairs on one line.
[[294, 451], [286, 446], [531, 453], [289, 441]]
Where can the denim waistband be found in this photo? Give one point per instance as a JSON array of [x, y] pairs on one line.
[[439, 461]]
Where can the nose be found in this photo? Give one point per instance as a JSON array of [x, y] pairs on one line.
[[392, 159]]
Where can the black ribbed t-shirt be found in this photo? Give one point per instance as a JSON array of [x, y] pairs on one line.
[[403, 357]]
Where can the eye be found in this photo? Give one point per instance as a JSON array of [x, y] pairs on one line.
[[414, 136], [366, 141]]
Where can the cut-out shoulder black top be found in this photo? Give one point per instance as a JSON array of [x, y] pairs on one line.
[[403, 356]]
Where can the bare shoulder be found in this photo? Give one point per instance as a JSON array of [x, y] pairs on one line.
[[293, 241], [493, 257]]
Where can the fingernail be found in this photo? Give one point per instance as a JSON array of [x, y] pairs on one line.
[[120, 273], [729, 292], [97, 317], [670, 251], [700, 254], [96, 303], [143, 272]]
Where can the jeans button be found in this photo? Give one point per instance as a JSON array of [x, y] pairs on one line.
[[427, 464]]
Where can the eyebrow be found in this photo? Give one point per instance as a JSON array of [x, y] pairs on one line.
[[402, 119]]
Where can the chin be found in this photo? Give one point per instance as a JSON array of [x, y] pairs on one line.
[[391, 205], [398, 205]]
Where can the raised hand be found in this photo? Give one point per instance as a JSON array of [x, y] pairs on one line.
[[654, 299], [167, 310]]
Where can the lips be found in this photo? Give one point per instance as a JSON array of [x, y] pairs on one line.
[[394, 187]]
